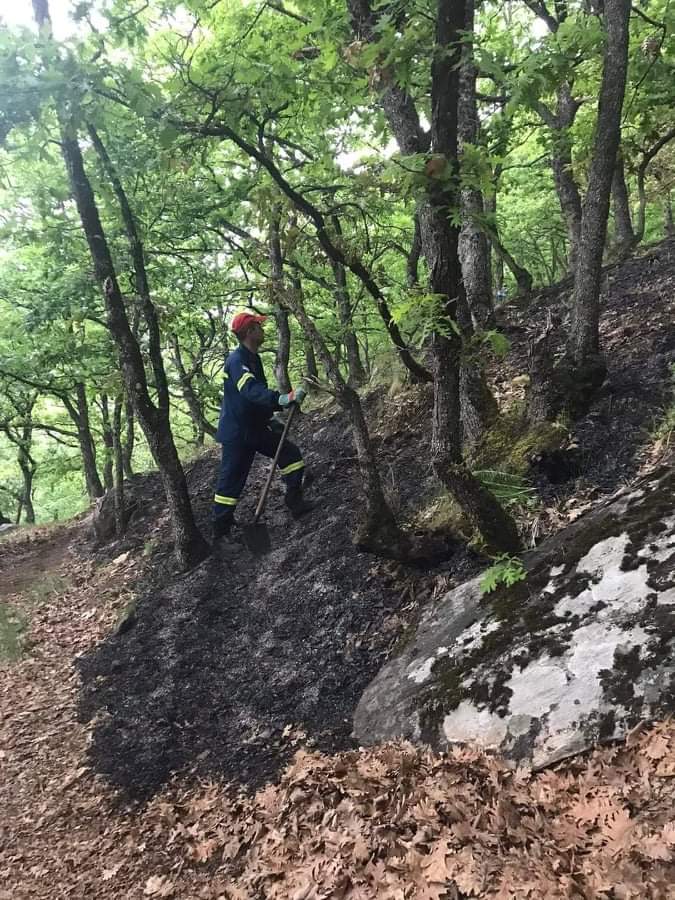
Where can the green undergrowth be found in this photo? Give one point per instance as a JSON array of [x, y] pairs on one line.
[[501, 462], [512, 441], [506, 570]]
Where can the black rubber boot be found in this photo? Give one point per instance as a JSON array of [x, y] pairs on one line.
[[297, 503], [222, 525]]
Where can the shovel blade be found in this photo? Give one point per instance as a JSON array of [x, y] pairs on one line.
[[257, 539]]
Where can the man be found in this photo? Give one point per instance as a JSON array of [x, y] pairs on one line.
[[247, 426]]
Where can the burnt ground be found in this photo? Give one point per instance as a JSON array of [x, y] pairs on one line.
[[228, 669], [638, 340]]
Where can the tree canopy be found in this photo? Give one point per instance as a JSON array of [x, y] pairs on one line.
[[327, 163]]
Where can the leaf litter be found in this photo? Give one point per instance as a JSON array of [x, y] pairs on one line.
[[393, 822]]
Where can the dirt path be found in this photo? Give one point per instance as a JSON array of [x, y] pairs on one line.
[[25, 561]]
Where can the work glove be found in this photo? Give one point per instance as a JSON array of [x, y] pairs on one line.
[[293, 397]]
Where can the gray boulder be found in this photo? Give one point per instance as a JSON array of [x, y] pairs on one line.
[[578, 653]]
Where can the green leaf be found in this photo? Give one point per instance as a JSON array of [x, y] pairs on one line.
[[168, 136]]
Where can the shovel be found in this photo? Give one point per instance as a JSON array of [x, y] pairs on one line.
[[256, 536]]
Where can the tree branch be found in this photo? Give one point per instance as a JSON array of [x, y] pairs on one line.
[[540, 10]]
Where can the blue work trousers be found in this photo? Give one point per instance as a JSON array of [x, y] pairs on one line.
[[236, 463]]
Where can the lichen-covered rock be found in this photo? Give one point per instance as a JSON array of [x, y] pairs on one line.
[[578, 653]]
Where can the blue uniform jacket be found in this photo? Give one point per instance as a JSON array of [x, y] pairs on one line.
[[248, 404]]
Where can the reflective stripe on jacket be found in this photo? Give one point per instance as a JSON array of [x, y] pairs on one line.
[[248, 404]]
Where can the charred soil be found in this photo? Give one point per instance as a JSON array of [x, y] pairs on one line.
[[225, 671]]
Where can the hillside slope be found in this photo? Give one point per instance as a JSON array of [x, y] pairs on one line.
[[230, 670]]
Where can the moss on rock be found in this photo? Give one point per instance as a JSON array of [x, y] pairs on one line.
[[512, 441]]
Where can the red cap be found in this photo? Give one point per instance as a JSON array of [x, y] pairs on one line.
[[242, 319]]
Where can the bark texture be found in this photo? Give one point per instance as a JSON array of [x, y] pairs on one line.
[[566, 186], [413, 258], [27, 466], [474, 249], [129, 440]]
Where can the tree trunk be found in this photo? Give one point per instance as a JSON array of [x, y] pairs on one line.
[[140, 275], [584, 341], [283, 352], [567, 189], [668, 224], [107, 443], [377, 529], [356, 373], [642, 204], [478, 407], [201, 423], [190, 546], [523, 278], [128, 449], [311, 367], [624, 235], [440, 245], [118, 469], [27, 466], [647, 157], [79, 413], [440, 240], [568, 195], [474, 249]]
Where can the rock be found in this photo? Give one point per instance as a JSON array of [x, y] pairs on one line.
[[578, 653]]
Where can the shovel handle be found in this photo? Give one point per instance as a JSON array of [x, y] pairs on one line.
[[282, 440]]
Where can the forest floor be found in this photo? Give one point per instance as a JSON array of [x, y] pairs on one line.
[[206, 750]]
